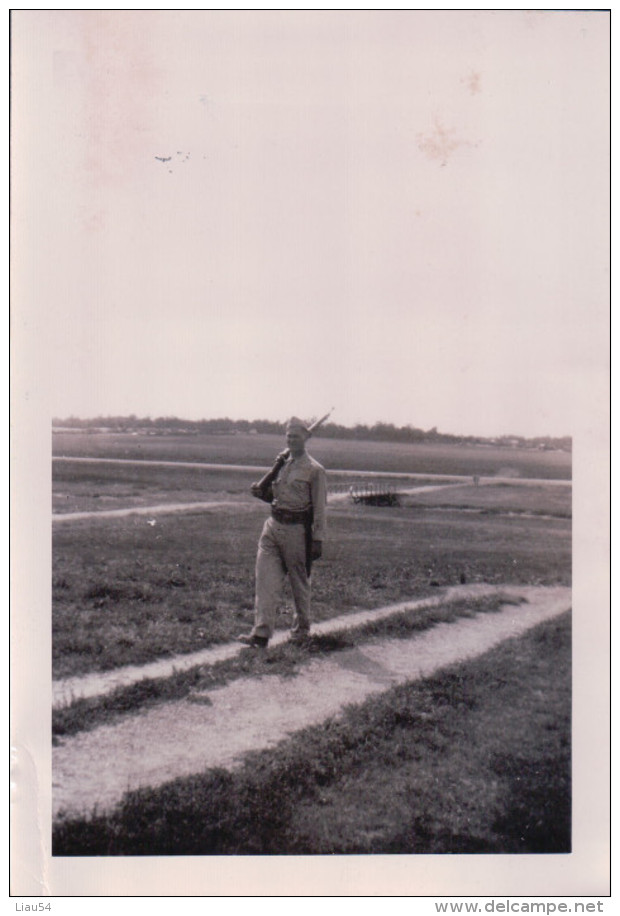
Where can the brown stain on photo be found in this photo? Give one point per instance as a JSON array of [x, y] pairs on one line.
[[440, 143], [473, 83], [118, 70]]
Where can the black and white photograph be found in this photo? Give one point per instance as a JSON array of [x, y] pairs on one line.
[[310, 452]]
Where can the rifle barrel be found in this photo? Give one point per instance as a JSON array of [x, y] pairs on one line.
[[320, 422]]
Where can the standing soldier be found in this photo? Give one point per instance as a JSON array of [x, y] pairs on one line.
[[291, 538]]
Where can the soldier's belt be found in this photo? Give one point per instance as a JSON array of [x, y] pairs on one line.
[[288, 517]]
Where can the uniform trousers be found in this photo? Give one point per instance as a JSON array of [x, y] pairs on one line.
[[281, 550]]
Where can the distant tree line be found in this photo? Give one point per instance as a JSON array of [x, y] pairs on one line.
[[381, 432]]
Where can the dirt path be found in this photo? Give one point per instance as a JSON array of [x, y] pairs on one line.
[[163, 508], [333, 498], [218, 727], [145, 510], [333, 472], [99, 683]]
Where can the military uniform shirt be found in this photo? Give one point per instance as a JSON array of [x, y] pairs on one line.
[[301, 485]]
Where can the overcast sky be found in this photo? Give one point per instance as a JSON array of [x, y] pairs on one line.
[[399, 214]]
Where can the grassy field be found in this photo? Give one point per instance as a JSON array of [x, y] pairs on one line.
[[128, 591], [261, 450], [497, 498], [94, 487], [476, 759], [473, 760]]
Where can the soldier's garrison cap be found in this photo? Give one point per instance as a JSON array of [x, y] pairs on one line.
[[296, 424]]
